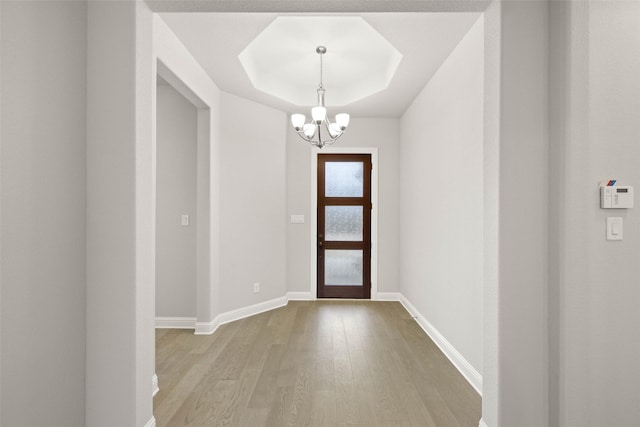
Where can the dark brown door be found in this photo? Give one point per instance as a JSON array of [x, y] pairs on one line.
[[344, 226]]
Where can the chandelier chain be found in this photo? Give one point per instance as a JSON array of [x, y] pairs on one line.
[[321, 70]]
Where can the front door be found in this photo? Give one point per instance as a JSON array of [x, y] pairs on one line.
[[344, 226]]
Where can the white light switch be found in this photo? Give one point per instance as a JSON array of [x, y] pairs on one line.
[[297, 219], [614, 228], [185, 220]]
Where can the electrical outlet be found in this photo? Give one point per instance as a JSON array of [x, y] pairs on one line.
[[256, 288]]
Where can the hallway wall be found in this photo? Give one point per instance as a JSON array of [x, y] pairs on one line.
[[522, 293], [441, 199], [594, 292], [252, 203], [43, 200], [176, 170]]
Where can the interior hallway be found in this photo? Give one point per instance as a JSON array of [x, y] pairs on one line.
[[561, 98], [325, 363]]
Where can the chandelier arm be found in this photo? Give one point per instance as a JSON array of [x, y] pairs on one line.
[[327, 124], [319, 142], [332, 140], [302, 135]]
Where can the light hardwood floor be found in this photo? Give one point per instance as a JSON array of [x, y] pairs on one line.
[[320, 363]]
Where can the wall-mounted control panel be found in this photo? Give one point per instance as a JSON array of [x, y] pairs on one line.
[[616, 197]]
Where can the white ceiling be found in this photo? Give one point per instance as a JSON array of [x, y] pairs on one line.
[[423, 39], [282, 60]]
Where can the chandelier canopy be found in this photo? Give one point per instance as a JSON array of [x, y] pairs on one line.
[[320, 131]]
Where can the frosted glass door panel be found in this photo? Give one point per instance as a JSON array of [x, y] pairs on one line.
[[344, 179], [342, 267], [343, 223]]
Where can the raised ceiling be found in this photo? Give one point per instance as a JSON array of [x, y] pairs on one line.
[[282, 60], [422, 41]]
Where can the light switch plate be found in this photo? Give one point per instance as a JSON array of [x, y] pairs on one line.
[[297, 219], [185, 220], [614, 228]]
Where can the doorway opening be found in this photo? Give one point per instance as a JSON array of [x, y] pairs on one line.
[[176, 208]]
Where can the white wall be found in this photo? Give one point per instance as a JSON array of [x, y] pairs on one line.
[[491, 228], [145, 152], [252, 182], [614, 270], [43, 199], [524, 171], [120, 214], [441, 198], [595, 71], [176, 65], [1, 204], [381, 133], [176, 179]]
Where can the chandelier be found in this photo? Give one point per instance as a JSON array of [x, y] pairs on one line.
[[320, 131]]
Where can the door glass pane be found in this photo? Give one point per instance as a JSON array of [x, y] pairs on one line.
[[343, 267], [343, 223], [343, 179]]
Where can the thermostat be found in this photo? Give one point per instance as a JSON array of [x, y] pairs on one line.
[[616, 197]]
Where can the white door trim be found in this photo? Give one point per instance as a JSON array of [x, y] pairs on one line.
[[314, 209]]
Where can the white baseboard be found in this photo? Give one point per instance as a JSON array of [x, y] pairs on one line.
[[207, 328], [151, 422], [175, 322], [482, 423], [299, 296], [154, 385], [251, 310], [466, 369], [388, 296]]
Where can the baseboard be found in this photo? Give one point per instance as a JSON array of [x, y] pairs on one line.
[[175, 322], [388, 296], [466, 369], [482, 423], [207, 328], [151, 422], [251, 310], [154, 385], [299, 296]]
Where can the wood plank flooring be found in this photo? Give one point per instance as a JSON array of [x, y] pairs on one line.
[[316, 363]]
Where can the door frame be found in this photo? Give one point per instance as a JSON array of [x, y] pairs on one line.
[[313, 216]]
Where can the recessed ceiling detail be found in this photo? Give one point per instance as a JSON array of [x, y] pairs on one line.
[[282, 60], [425, 39]]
